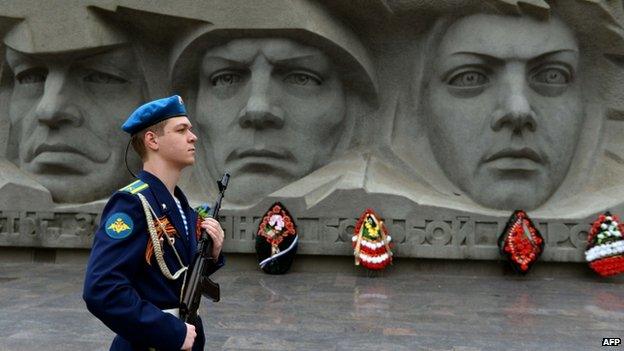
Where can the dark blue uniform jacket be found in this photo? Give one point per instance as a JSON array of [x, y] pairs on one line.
[[126, 292]]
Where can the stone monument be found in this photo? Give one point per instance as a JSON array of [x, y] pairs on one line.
[[273, 102], [442, 116]]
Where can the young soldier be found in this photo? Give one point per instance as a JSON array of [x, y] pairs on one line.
[[148, 237]]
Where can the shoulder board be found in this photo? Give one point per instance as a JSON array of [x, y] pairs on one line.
[[135, 187]]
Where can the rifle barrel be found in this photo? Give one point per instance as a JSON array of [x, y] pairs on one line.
[[192, 292]]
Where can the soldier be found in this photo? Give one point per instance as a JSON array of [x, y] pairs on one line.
[[148, 237]]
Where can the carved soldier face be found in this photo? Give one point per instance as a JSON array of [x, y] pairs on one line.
[[272, 110], [66, 110], [504, 108]]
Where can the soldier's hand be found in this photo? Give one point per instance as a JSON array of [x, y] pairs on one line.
[[190, 337], [213, 228]]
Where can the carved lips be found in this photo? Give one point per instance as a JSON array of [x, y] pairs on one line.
[[62, 146], [261, 155], [62, 149], [515, 159]]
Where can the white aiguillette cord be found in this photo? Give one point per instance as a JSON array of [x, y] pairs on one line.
[[158, 251]]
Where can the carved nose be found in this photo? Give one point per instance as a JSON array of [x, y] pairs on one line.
[[260, 111], [259, 114], [514, 109], [56, 107]]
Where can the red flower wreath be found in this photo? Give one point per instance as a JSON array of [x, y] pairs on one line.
[[371, 242], [276, 225], [605, 245], [521, 242]]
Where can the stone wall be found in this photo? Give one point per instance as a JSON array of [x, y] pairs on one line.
[[442, 116]]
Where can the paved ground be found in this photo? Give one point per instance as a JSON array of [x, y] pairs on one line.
[[41, 309]]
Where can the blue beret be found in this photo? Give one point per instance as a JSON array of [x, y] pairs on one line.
[[154, 112]]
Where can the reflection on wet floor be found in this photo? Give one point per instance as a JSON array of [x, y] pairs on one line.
[[400, 310]]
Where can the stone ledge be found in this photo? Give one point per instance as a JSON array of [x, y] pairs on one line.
[[341, 264]]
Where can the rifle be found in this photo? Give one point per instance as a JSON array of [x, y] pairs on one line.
[[197, 284]]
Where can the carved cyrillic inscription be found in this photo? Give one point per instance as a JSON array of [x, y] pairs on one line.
[[47, 229], [459, 237]]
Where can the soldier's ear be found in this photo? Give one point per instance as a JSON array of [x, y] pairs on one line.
[[151, 140]]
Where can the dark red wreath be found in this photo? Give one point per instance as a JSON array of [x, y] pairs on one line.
[[521, 243]]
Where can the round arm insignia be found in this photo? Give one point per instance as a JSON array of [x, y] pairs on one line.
[[119, 225]]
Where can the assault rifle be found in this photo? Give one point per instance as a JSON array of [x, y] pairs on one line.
[[197, 284]]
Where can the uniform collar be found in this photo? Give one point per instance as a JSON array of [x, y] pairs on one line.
[[155, 183]]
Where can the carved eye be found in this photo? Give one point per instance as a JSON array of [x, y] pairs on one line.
[[468, 79], [225, 79], [32, 76], [303, 79], [98, 77], [552, 75], [551, 80]]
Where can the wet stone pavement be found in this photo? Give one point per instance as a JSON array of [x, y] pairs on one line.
[[41, 309]]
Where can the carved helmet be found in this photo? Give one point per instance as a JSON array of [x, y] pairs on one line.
[[300, 20], [34, 32]]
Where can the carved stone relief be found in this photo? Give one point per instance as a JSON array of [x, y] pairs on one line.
[[273, 101], [65, 104], [443, 116], [65, 110], [504, 119]]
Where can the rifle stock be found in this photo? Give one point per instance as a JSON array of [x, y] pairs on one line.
[[197, 283]]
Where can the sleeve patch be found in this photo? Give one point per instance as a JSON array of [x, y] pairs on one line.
[[119, 225]]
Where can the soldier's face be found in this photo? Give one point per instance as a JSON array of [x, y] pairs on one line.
[[176, 145], [504, 108], [272, 111], [66, 111]]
